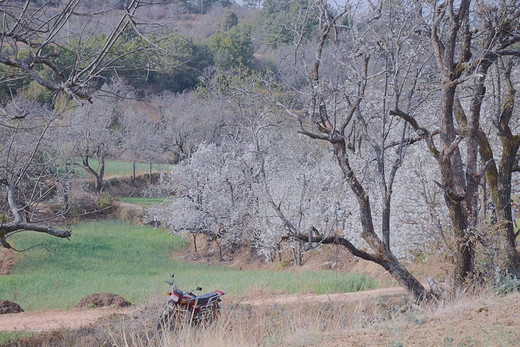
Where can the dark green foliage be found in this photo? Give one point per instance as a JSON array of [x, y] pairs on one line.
[[129, 34], [233, 47], [203, 6], [182, 66], [229, 20], [173, 64], [13, 80], [252, 3], [284, 18], [10, 79]]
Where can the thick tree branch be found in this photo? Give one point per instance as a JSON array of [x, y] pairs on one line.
[[361, 92], [409, 141], [421, 131], [34, 30], [17, 226], [454, 145], [331, 139], [337, 240], [488, 165], [511, 52]]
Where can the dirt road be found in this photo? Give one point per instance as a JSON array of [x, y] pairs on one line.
[[343, 297], [56, 319], [77, 318]]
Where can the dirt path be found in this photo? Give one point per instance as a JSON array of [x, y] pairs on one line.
[[343, 297], [55, 319], [77, 318], [131, 206]]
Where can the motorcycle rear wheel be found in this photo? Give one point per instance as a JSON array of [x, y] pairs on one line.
[[207, 315]]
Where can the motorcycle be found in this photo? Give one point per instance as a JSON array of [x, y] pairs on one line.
[[188, 308]]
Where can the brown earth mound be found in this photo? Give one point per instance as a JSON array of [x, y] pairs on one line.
[[9, 307], [102, 300]]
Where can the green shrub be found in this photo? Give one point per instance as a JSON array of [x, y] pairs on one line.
[[506, 283], [105, 202]]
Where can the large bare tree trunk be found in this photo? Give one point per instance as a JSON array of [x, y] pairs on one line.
[[100, 175], [501, 181], [382, 254], [385, 259], [460, 183], [333, 131], [451, 35], [499, 178], [504, 216]]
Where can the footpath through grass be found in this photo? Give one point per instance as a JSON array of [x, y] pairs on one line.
[[133, 261]]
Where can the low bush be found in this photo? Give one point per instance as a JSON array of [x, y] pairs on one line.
[[506, 283]]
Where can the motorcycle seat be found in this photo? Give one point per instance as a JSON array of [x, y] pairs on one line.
[[204, 298]]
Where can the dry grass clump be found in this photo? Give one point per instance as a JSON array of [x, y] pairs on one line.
[[479, 318], [238, 325], [242, 325], [467, 319]]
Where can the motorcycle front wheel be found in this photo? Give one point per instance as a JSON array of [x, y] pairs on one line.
[[166, 322]]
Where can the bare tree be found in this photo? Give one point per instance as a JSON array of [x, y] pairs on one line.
[[258, 184], [29, 169], [93, 132], [186, 121], [468, 37], [140, 137], [377, 61], [33, 34], [34, 37], [497, 136]]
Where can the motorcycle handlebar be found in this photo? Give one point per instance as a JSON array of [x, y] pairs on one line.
[[171, 283]]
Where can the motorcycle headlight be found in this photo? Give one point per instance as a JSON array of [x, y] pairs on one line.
[[175, 297]]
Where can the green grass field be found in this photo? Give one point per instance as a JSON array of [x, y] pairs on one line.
[[133, 261], [123, 168], [141, 201], [13, 335]]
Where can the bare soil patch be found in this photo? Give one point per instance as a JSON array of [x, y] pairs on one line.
[[56, 319], [339, 297], [103, 300], [130, 211]]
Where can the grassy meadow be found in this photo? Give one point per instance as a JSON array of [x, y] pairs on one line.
[[133, 261], [123, 168], [13, 335], [141, 201]]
